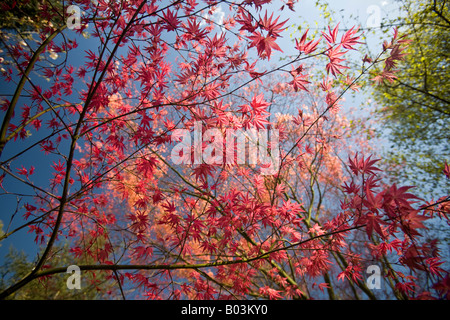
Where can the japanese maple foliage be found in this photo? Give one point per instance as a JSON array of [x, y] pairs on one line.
[[103, 127]]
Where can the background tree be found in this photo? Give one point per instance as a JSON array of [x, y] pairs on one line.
[[414, 106], [27, 15], [16, 265]]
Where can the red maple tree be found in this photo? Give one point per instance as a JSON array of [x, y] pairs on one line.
[[102, 128]]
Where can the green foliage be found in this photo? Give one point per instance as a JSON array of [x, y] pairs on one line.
[[415, 108], [26, 15], [16, 266]]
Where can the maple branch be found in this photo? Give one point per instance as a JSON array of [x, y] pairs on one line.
[[75, 137], [27, 182], [120, 284], [241, 232], [31, 119], [439, 13], [282, 162], [126, 206], [116, 267], [20, 86]]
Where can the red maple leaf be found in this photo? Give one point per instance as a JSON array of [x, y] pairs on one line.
[[246, 20], [250, 68], [171, 19], [193, 30], [443, 287], [447, 170], [348, 39], [412, 221], [143, 252], [331, 36], [309, 47], [202, 171], [405, 287], [399, 196], [413, 259], [434, 264], [258, 104], [299, 82], [264, 45], [260, 121], [363, 166], [334, 65], [272, 27], [373, 222], [271, 293], [23, 171]]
